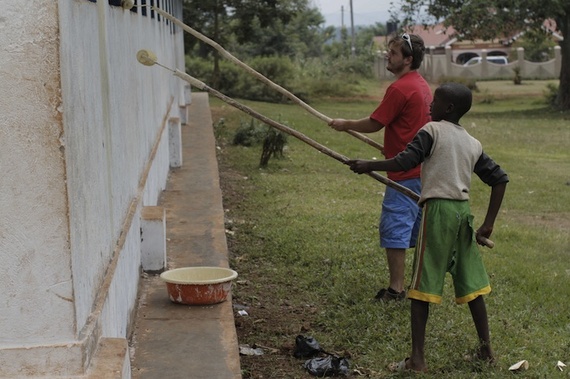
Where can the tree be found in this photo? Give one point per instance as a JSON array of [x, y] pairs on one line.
[[537, 45], [282, 28], [254, 27], [211, 19], [489, 19]]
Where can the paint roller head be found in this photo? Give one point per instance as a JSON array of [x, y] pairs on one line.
[[146, 57], [128, 4]]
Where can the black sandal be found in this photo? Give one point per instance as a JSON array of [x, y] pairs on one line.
[[390, 295]]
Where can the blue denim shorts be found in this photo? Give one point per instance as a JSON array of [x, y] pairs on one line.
[[401, 217]]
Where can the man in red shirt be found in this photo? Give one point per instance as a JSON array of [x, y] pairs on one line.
[[402, 112]]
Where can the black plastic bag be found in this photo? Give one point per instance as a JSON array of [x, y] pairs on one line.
[[328, 366], [306, 347]]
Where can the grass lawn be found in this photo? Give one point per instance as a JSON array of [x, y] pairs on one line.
[[303, 237]]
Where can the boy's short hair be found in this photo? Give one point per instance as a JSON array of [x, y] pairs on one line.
[[417, 50], [458, 94]]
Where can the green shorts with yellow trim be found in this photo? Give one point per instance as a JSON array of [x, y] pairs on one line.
[[446, 243]]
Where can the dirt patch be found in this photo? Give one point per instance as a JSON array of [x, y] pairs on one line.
[[270, 320], [553, 221]]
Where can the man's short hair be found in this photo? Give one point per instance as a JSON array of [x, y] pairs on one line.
[[411, 45]]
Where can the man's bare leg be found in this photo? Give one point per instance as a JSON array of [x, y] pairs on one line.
[[396, 265]]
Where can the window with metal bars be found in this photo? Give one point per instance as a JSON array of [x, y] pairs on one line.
[[145, 9]]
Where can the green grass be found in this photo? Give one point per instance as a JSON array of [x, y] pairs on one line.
[[306, 235]]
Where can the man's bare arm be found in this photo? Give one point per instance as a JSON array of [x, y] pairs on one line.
[[363, 125]]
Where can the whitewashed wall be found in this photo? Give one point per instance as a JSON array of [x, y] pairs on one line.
[[80, 120], [35, 273]]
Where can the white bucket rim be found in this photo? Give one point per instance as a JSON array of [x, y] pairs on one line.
[[231, 275]]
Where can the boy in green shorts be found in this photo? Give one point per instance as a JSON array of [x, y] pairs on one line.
[[447, 242]]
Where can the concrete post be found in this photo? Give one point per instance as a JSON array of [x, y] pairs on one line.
[[184, 101], [384, 74], [557, 60], [485, 64], [377, 65], [153, 239], [175, 142], [430, 67], [112, 360], [182, 105], [448, 59], [520, 61]]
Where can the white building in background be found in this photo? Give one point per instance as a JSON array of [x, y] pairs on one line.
[[84, 130], [446, 56]]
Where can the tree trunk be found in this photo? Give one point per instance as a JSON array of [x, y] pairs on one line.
[[563, 98], [216, 73]]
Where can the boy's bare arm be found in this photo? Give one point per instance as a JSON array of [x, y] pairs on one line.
[[495, 200], [412, 156]]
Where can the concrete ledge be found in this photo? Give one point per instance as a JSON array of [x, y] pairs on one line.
[[111, 360], [177, 341], [53, 361], [153, 239], [175, 142]]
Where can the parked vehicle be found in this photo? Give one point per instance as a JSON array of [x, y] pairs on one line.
[[496, 59]]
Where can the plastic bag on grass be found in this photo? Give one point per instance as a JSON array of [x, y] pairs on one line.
[[306, 347], [328, 366]]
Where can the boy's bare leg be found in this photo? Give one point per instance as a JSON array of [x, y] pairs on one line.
[[396, 265], [420, 313], [479, 314]]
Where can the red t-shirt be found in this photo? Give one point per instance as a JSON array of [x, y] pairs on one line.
[[403, 111]]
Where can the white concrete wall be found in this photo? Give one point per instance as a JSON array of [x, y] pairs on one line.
[[84, 129], [35, 274]]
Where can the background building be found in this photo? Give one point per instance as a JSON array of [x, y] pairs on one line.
[[446, 54]]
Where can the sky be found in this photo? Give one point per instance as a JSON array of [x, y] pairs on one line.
[[366, 12]]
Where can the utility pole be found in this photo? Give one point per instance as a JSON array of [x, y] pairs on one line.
[[342, 16], [352, 48]]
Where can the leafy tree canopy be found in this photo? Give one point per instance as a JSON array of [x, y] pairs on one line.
[[493, 19], [259, 27], [485, 19]]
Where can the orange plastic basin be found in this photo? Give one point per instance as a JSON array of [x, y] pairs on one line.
[[198, 285]]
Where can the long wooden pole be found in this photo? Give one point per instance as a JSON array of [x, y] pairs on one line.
[[323, 149], [262, 78], [148, 58]]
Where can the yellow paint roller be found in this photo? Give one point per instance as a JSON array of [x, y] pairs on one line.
[[146, 57]]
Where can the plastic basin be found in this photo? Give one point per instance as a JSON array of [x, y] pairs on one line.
[[198, 285]]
